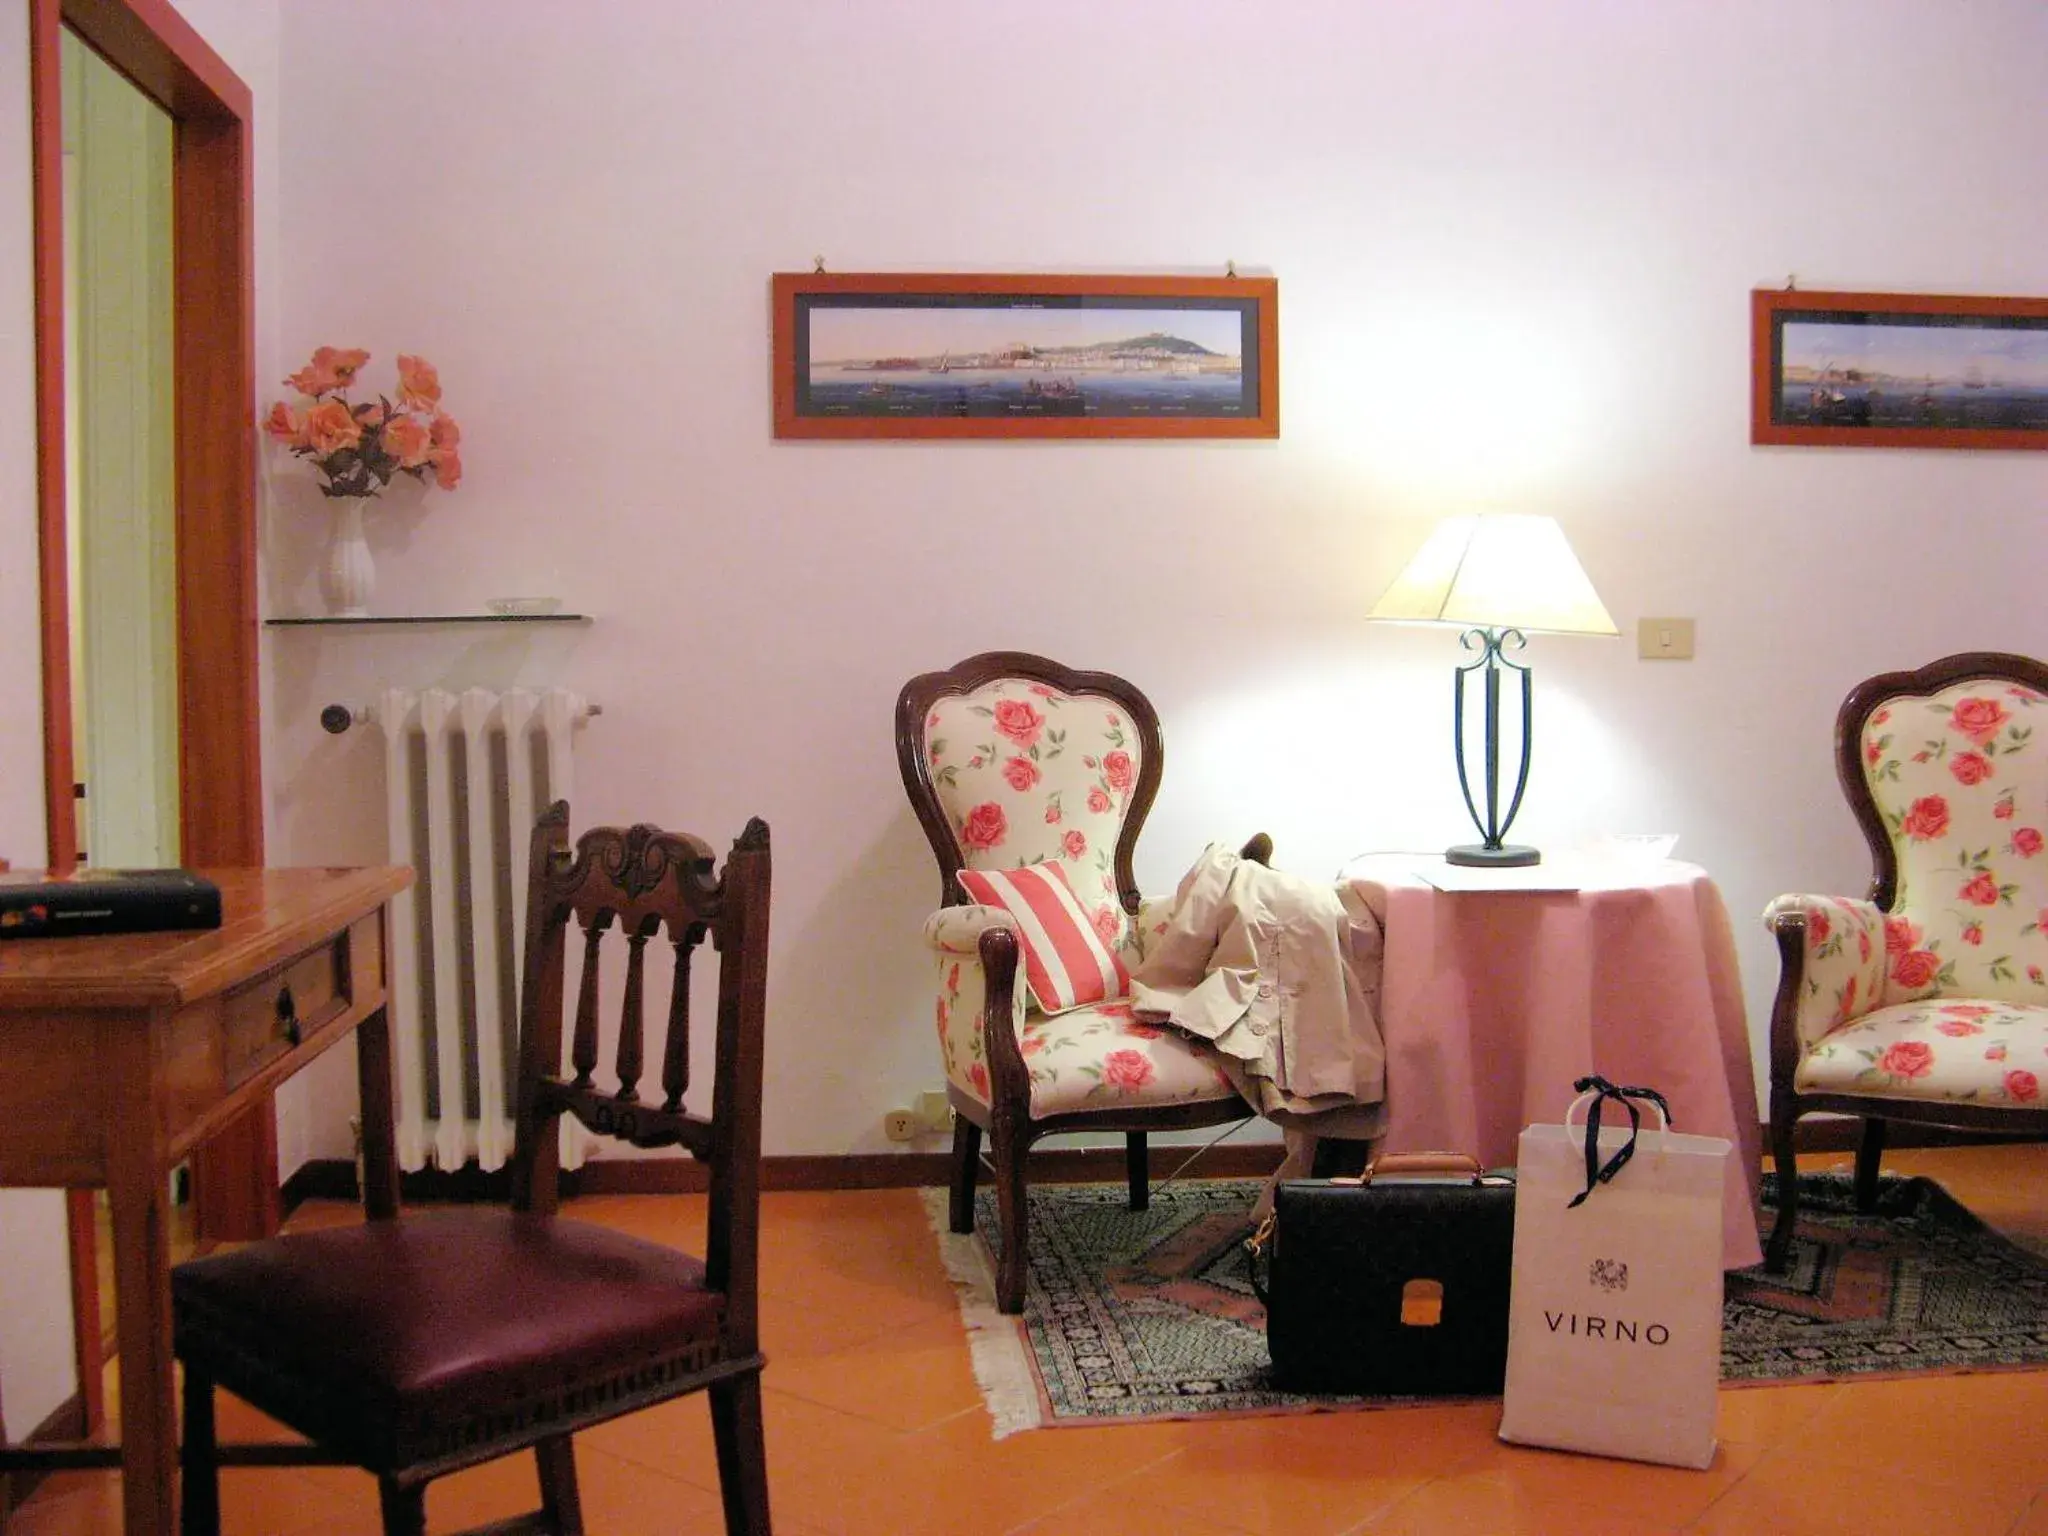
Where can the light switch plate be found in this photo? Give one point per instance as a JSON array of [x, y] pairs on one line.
[[1664, 639]]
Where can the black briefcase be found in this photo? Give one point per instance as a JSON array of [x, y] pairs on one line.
[[1393, 1284]]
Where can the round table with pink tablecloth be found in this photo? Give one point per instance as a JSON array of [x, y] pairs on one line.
[[1494, 1001]]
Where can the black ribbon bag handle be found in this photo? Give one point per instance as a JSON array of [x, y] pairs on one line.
[[1601, 1091]]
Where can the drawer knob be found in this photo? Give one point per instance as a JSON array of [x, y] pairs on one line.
[[287, 1015]]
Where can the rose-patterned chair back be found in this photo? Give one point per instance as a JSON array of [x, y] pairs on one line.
[[1018, 760], [1954, 800]]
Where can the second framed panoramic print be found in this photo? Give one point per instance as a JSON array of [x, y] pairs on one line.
[[1898, 370], [998, 355]]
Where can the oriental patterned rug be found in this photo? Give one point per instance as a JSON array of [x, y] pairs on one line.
[[1139, 1315]]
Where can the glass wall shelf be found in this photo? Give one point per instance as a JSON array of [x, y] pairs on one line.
[[430, 618]]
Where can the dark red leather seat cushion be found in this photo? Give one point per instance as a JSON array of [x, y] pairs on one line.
[[443, 1311]]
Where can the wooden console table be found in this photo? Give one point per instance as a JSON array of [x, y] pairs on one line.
[[121, 1054]]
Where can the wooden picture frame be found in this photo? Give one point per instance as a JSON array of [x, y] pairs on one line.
[[1898, 370], [977, 355]]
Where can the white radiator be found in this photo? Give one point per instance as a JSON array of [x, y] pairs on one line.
[[466, 776]]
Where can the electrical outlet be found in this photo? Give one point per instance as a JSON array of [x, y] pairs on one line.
[[1664, 639], [900, 1125], [934, 1112]]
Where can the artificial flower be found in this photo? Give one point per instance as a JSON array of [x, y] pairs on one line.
[[357, 446]]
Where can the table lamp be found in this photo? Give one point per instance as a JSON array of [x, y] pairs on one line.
[[1501, 576]]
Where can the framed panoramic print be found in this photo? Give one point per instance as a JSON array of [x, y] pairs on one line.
[[1898, 370], [994, 355]]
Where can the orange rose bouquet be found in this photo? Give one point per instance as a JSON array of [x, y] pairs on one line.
[[358, 447]]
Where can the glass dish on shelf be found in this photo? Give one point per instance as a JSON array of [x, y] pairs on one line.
[[376, 621], [522, 607]]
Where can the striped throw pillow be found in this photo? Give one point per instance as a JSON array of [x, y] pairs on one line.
[[1066, 964]]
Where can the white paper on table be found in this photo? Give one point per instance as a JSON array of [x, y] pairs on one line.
[[1562, 875]]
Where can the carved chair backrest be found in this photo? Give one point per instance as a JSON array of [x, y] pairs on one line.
[[640, 884], [1950, 784], [1012, 759]]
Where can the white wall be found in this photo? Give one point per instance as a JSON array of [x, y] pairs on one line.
[[1515, 245]]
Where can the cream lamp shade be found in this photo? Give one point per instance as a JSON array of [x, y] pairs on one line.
[[1497, 571]]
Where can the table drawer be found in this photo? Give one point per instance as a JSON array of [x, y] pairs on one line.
[[262, 1019]]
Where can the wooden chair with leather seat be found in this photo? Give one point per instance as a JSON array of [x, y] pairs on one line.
[[1927, 1001], [1012, 760], [417, 1346]]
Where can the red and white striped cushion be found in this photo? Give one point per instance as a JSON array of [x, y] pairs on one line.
[[1066, 964]]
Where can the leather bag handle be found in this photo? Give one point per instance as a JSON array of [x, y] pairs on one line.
[[1395, 1166]]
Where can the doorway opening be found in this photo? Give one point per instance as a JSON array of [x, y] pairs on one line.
[[120, 490]]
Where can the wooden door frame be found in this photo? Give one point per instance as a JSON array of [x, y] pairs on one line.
[[213, 367]]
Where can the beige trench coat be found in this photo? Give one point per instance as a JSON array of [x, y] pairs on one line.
[[1281, 975]]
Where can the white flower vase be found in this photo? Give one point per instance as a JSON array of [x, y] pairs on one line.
[[350, 575]]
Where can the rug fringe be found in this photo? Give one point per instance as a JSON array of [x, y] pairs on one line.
[[1002, 1369]]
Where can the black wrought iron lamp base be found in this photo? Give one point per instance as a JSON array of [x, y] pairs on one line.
[[1507, 856], [1492, 852]]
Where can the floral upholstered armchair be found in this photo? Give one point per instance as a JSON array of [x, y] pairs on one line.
[[1032, 781], [1929, 1001]]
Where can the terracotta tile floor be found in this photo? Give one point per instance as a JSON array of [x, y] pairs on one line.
[[875, 1427]]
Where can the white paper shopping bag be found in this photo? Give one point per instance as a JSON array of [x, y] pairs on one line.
[[1614, 1322]]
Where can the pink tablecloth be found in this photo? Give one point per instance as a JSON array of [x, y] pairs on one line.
[[1493, 1002]]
